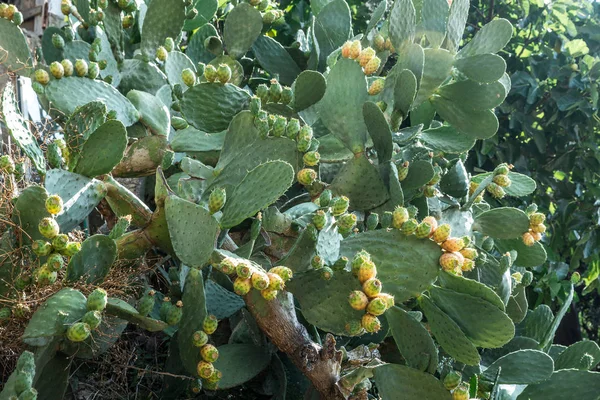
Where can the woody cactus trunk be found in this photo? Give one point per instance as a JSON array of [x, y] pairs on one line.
[[314, 196]]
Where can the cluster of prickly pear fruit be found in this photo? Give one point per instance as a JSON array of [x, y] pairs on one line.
[[453, 382], [336, 209], [370, 299], [367, 57], [456, 257], [24, 373], [274, 93], [536, 226], [500, 181], [250, 276], [209, 375], [91, 320], [269, 11], [11, 13], [169, 312]]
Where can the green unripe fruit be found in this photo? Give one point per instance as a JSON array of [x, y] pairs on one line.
[[41, 248], [284, 272], [123, 4], [452, 380], [22, 282], [260, 280], [423, 230], [437, 176], [317, 262], [54, 204], [275, 91], [216, 200], [399, 217], [37, 87], [279, 126], [210, 324], [255, 105], [146, 303], [93, 55], [67, 67], [340, 264], [502, 180], [326, 273], [92, 318], [60, 242], [311, 158], [102, 3], [495, 190], [292, 129], [174, 314], [97, 300], [48, 227], [169, 44], [199, 338], [214, 378], [377, 306], [501, 169], [224, 73], [42, 77], [196, 386], [242, 286], [176, 106], [55, 262], [78, 332], [21, 310], [71, 249], [193, 13], [531, 209], [287, 95], [269, 17], [488, 244], [262, 91], [306, 176], [45, 276], [58, 41], [210, 73], [81, 67], [269, 294], [179, 123], [7, 164], [353, 328], [165, 307], [429, 191], [527, 278], [360, 259], [370, 323], [128, 21], [305, 133], [94, 70], [178, 90], [403, 171], [209, 353], [303, 144], [386, 219], [188, 77], [162, 54], [346, 221], [262, 126], [340, 205], [205, 369], [23, 382], [263, 5], [68, 33], [325, 198], [358, 300]]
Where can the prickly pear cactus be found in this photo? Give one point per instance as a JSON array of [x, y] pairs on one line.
[[295, 191]]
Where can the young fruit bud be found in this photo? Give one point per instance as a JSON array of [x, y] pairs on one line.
[[326, 273], [60, 242], [429, 191], [451, 261], [441, 233], [49, 228], [260, 280], [292, 129], [495, 190], [275, 281], [379, 42], [224, 73], [528, 239], [71, 249], [199, 338], [255, 105], [174, 314], [319, 219], [371, 323], [339, 205], [372, 287], [216, 200], [97, 300], [372, 221], [453, 244], [387, 298], [210, 324], [55, 262], [365, 56], [284, 272], [188, 77], [537, 218], [377, 86], [353, 328], [210, 73], [317, 262], [81, 67], [377, 306], [386, 219], [287, 95], [502, 169], [179, 123], [92, 318], [502, 180], [399, 217], [54, 204], [128, 21], [162, 54], [146, 303], [346, 221], [67, 67], [42, 76], [432, 222], [94, 70], [209, 353], [41, 248], [355, 49], [78, 332], [262, 91], [527, 278], [346, 49], [58, 41], [372, 66], [403, 171], [367, 271], [228, 266], [242, 286], [279, 126], [306, 176], [358, 300], [303, 144], [452, 380], [423, 230], [205, 369]]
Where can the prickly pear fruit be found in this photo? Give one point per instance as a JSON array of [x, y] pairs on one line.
[[379, 42], [502, 169], [23, 381], [365, 56], [279, 126], [371, 323], [442, 233], [306, 176], [55, 262], [339, 205], [210, 324], [60, 242], [199, 338], [210, 73], [403, 171], [174, 314], [340, 264], [71, 249], [7, 164], [360, 259], [317, 262], [502, 180], [242, 286], [399, 217], [353, 328], [269, 17], [284, 272], [276, 282], [372, 66], [224, 73], [169, 44], [45, 276], [54, 204], [275, 91], [292, 129], [255, 105], [423, 230], [539, 228], [495, 190], [536, 218], [244, 270], [188, 77], [410, 226], [377, 306], [469, 253], [205, 369], [453, 244], [228, 265], [41, 248], [355, 49], [528, 239], [21, 283], [358, 300], [451, 261], [28, 394], [311, 158], [97, 300], [452, 380], [326, 273], [346, 49], [467, 265], [305, 133], [372, 287], [216, 200], [81, 67], [527, 278], [146, 303], [387, 298], [377, 86], [346, 221], [262, 91], [209, 353], [269, 294], [287, 95], [372, 221], [260, 280], [92, 318], [48, 227], [461, 392], [78, 332], [162, 54], [432, 222], [128, 21], [42, 77], [366, 271]]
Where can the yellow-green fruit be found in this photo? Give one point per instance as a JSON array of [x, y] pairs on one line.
[[528, 239], [260, 280], [441, 233], [242, 286], [377, 306], [287, 95], [215, 377], [367, 271], [326, 273], [306, 176], [399, 217], [403, 171], [57, 70], [319, 219], [461, 392], [387, 298], [72, 249], [55, 262], [60, 242], [432, 223], [502, 169], [67, 67], [317, 262], [45, 276], [48, 227], [169, 44], [502, 180], [410, 226], [244, 270], [359, 259], [358, 300], [353, 328], [81, 67], [174, 314], [537, 218], [128, 21], [539, 228], [3, 8], [205, 369], [365, 56], [41, 248], [423, 230], [188, 77], [54, 204], [453, 244], [78, 332], [371, 323], [452, 380], [42, 76], [210, 73], [495, 190], [209, 353], [276, 282], [339, 205], [355, 49], [377, 86], [372, 287], [92, 318], [467, 265], [269, 294], [97, 300], [199, 338], [469, 253], [284, 272], [146, 303], [216, 200], [451, 261], [228, 265], [372, 66], [223, 73], [346, 221], [311, 158]]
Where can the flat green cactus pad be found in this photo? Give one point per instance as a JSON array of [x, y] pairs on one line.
[[196, 50], [14, 51], [233, 363], [447, 139], [333, 26], [103, 150], [393, 379], [502, 223], [153, 113], [163, 19], [94, 260], [273, 57], [572, 355], [242, 26], [309, 87], [123, 310], [30, 209], [140, 75], [582, 385], [206, 11], [526, 256], [521, 367], [490, 39]]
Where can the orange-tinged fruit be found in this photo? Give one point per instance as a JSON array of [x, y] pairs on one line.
[[346, 49], [441, 233], [432, 222], [451, 261], [371, 323], [469, 253], [372, 66], [367, 271], [365, 56], [528, 239], [355, 49], [358, 300], [453, 244], [372, 287]]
